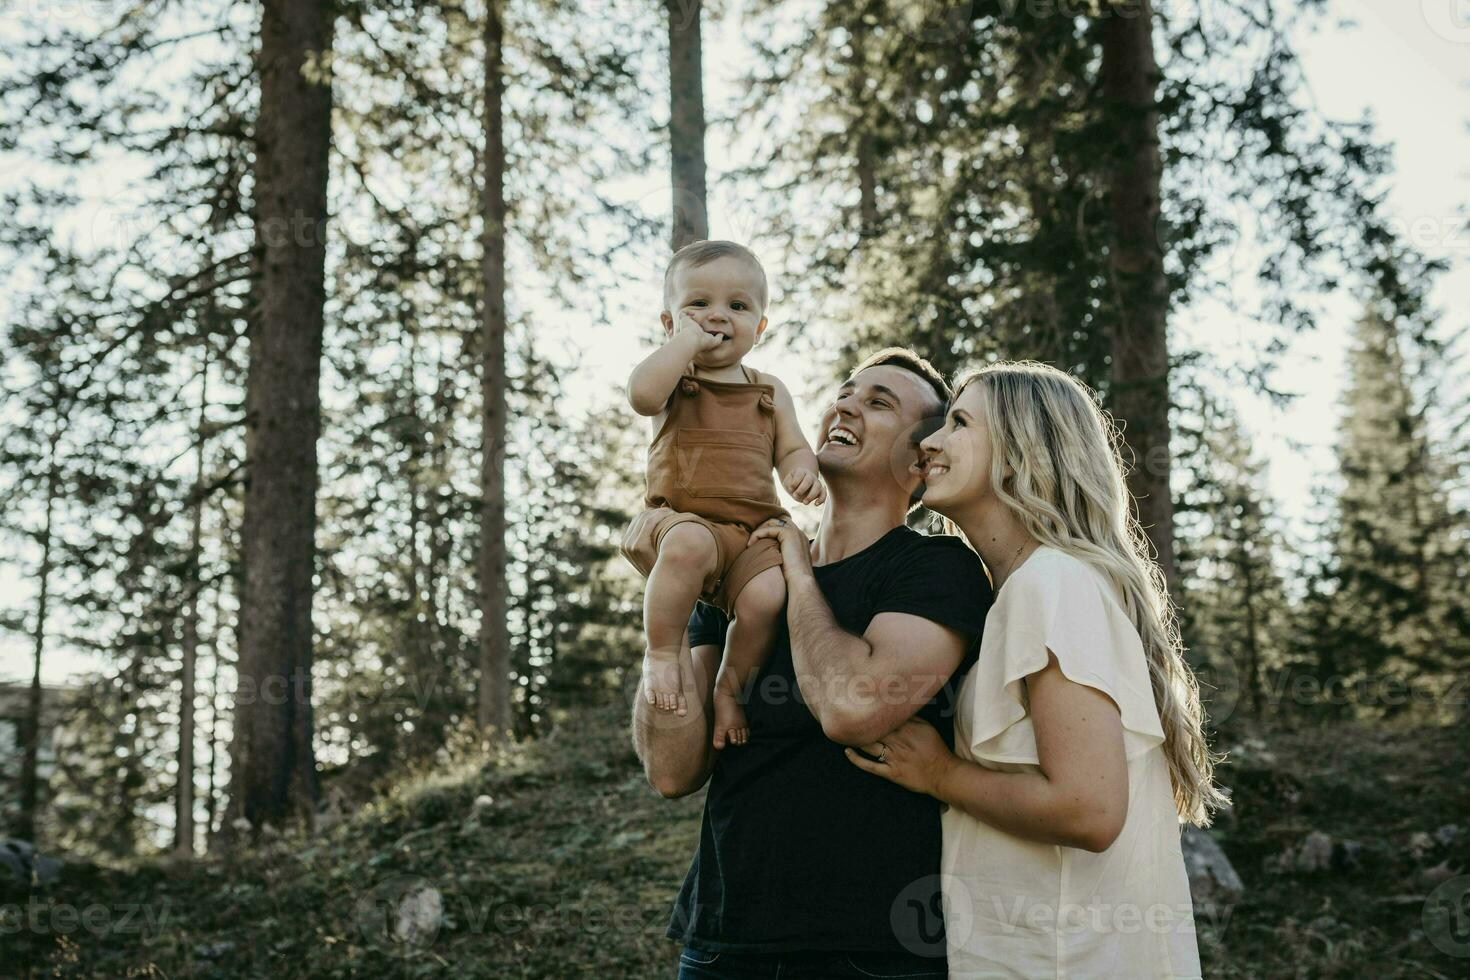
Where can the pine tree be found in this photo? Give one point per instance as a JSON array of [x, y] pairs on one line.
[[1137, 320], [1014, 226], [132, 316], [19, 457], [494, 636], [1234, 608], [400, 648], [577, 612], [395, 649], [1398, 548], [273, 763], [686, 122]]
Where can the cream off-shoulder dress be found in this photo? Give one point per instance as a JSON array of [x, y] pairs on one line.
[[1016, 908]]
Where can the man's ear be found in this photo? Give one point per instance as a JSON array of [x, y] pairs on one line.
[[667, 319]]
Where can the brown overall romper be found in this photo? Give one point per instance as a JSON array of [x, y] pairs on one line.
[[711, 464]]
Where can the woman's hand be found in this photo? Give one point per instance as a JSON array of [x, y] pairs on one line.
[[914, 756], [796, 550]]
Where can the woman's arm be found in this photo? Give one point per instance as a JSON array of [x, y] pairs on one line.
[[1078, 799]]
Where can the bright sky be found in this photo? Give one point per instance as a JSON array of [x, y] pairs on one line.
[[1406, 61]]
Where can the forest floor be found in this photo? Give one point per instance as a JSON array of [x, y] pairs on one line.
[[571, 869]]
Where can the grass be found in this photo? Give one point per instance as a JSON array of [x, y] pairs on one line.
[[571, 871]]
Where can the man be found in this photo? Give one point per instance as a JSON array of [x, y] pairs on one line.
[[808, 866]]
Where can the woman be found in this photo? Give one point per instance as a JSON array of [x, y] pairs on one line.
[[1078, 741]]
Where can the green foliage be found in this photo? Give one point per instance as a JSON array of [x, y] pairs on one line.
[[986, 145], [1234, 613], [1399, 558], [123, 327]]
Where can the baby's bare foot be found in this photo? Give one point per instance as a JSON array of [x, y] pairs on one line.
[[731, 726], [663, 683]]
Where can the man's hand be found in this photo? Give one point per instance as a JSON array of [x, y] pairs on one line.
[[703, 339], [805, 486], [796, 550]]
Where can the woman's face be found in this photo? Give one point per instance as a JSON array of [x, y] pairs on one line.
[[959, 456]]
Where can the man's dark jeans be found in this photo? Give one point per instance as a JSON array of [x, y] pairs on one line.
[[696, 964]]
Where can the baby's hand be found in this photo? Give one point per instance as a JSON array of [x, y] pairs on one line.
[[805, 486], [687, 324]]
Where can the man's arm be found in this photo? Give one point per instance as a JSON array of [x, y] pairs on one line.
[[862, 687], [676, 752]]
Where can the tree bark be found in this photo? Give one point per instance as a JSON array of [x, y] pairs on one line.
[[211, 790], [28, 824], [184, 797], [686, 122], [273, 765], [1139, 385], [494, 707], [866, 144], [1245, 564]]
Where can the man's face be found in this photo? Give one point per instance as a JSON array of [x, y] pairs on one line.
[[874, 426], [723, 297]]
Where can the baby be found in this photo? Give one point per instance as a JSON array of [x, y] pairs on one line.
[[718, 428]]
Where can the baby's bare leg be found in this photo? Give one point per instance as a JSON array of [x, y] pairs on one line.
[[686, 557], [752, 634]]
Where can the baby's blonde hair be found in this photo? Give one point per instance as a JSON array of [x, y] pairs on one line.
[[1068, 489], [700, 253]]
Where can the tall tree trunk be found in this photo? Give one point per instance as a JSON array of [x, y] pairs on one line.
[[494, 708], [1246, 567], [211, 791], [184, 798], [273, 766], [686, 122], [130, 774], [866, 147], [1035, 80], [30, 776], [867, 187], [1140, 351]]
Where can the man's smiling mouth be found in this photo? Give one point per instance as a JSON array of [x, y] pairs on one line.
[[842, 436]]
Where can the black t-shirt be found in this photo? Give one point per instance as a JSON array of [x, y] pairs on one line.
[[800, 849]]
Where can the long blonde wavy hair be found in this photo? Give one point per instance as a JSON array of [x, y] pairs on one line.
[[1069, 492]]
